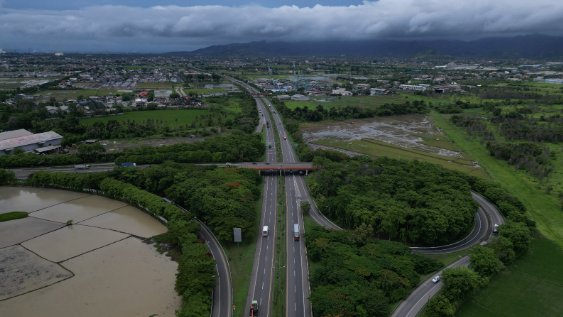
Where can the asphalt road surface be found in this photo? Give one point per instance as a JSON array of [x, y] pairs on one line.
[[411, 306], [261, 282], [297, 271]]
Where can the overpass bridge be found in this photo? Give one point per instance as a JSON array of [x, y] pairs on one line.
[[303, 167]]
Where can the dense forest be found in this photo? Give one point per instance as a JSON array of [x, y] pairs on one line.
[[319, 113], [410, 201], [358, 275], [223, 198]]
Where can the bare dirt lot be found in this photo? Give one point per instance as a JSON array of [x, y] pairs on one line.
[[405, 131]]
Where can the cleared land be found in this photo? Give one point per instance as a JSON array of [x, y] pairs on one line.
[[532, 286], [330, 102], [183, 116], [400, 137]]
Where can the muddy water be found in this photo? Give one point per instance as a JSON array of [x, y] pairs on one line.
[[115, 274], [79, 209], [127, 278], [22, 271], [397, 130], [71, 241], [32, 199], [17, 231], [130, 220]]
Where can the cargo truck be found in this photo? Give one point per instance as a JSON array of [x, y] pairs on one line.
[[296, 232], [82, 167], [254, 308], [128, 164], [265, 231]]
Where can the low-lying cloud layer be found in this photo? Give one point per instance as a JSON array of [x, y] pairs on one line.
[[220, 24]]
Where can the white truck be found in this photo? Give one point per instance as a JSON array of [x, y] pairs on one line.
[[296, 232], [265, 231]]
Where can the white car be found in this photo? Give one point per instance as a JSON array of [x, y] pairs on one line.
[[436, 279]]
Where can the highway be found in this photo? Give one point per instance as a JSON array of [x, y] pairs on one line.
[[297, 271], [261, 281]]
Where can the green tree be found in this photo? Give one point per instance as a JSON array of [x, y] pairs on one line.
[[223, 227], [305, 207], [174, 95], [460, 282], [485, 262], [362, 233], [440, 306], [18, 151], [518, 233], [504, 250]]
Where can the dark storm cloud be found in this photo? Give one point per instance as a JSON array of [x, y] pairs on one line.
[[215, 24]]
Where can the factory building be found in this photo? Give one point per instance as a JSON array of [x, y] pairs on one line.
[[22, 139]]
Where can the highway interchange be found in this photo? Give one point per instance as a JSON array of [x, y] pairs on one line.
[[297, 284]]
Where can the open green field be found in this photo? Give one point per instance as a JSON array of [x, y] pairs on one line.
[[545, 208], [378, 148], [364, 101], [183, 116], [532, 286], [63, 95], [203, 91]]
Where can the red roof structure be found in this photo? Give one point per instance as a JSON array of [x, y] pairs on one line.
[[143, 94]]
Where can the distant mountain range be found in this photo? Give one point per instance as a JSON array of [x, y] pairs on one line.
[[534, 46]]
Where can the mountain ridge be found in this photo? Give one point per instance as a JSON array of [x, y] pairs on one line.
[[534, 46]]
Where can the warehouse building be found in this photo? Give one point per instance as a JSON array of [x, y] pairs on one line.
[[27, 141]]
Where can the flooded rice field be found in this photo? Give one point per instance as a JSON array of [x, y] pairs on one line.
[[402, 131], [95, 267]]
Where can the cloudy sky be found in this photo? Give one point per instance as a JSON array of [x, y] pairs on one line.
[[170, 25]]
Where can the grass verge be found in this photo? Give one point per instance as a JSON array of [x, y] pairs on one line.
[[532, 286], [240, 259], [13, 215], [278, 305]]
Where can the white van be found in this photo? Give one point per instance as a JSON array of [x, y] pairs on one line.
[[265, 231]]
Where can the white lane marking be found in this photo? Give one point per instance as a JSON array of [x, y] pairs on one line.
[[264, 271], [293, 260], [427, 293], [294, 273], [262, 285]]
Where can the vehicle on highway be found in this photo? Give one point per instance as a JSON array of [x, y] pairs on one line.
[[267, 163], [128, 164], [254, 308], [228, 164], [495, 229], [267, 124], [284, 137], [82, 167], [265, 231], [254, 163], [270, 145], [436, 279], [296, 232]]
